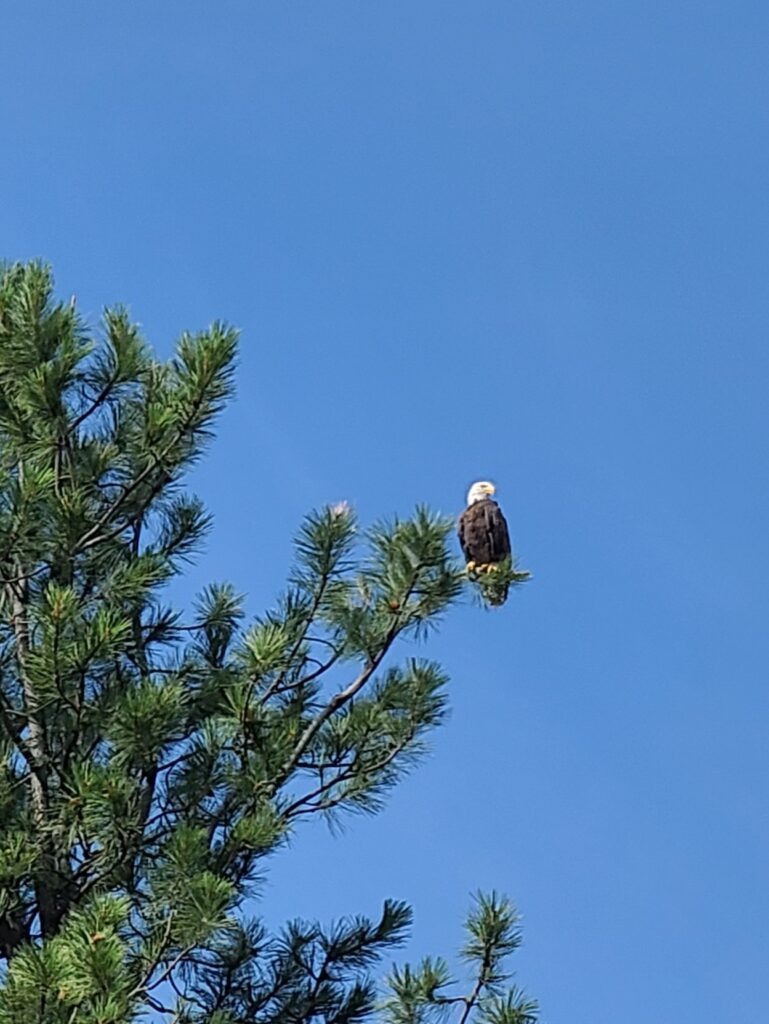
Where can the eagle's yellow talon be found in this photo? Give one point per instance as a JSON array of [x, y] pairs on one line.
[[470, 567], [491, 567]]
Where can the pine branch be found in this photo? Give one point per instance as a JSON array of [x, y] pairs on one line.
[[16, 736], [376, 768], [471, 1000], [97, 403], [337, 701], [344, 696], [91, 537], [38, 750]]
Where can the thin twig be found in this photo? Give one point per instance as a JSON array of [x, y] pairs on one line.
[[293, 810]]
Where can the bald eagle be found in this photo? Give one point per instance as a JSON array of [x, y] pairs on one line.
[[484, 536]]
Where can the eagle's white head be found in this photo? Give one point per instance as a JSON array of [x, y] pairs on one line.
[[480, 490]]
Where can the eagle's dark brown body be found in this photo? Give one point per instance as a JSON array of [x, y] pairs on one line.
[[484, 536], [483, 533]]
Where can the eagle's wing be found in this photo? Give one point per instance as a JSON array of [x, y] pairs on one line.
[[498, 533], [461, 527]]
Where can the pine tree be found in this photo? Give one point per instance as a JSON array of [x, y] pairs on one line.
[[149, 763]]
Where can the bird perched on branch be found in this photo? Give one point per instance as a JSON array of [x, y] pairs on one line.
[[485, 542]]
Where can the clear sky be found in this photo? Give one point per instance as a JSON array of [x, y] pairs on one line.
[[518, 240]]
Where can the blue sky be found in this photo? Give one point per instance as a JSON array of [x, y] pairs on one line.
[[517, 240]]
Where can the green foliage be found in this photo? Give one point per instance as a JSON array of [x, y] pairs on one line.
[[424, 994], [493, 582], [149, 765]]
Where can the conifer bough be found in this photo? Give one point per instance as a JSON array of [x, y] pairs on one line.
[[149, 764]]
